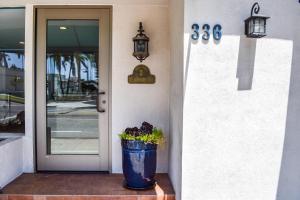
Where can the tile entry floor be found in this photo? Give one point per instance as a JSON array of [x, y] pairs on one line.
[[48, 186]]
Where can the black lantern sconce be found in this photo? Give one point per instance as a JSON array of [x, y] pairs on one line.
[[255, 26], [141, 41]]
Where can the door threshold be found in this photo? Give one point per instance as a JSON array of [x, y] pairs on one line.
[[71, 172]]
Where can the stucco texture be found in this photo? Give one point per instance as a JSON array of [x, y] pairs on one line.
[[236, 99], [134, 103]]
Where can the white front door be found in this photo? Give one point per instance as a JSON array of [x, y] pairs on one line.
[[72, 89]]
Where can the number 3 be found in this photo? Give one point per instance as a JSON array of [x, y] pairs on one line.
[[206, 34], [195, 35]]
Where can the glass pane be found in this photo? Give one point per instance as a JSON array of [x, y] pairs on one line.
[[12, 31], [256, 25], [250, 27], [262, 25], [72, 86]]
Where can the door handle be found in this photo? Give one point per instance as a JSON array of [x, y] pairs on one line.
[[99, 109]]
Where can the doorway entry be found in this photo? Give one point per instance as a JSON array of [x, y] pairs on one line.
[[72, 89]]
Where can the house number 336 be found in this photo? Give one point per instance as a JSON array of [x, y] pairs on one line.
[[217, 32]]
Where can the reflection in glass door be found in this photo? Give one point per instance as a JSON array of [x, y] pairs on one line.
[[72, 86]]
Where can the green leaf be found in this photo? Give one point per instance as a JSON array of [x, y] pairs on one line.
[[156, 137]]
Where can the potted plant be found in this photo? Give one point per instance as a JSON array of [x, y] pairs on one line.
[[139, 147]]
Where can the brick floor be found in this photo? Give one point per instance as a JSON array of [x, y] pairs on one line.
[[44, 186]]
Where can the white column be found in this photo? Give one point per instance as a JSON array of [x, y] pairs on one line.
[[28, 139]]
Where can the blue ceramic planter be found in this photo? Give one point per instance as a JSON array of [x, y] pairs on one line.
[[139, 164]]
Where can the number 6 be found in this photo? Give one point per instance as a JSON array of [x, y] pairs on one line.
[[217, 32]]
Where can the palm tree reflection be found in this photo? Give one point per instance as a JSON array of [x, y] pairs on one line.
[[71, 76], [12, 116]]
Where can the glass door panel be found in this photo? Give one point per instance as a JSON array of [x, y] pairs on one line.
[[72, 86]]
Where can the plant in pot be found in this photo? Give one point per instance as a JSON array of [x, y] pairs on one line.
[[139, 146]]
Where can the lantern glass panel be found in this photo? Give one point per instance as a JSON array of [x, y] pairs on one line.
[[146, 47], [256, 25], [135, 46], [263, 25], [141, 46], [252, 22]]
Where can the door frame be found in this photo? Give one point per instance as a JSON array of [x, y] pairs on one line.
[[109, 96]]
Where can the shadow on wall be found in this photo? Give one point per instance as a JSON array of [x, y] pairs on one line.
[[288, 187], [289, 179], [289, 176], [246, 61], [187, 64]]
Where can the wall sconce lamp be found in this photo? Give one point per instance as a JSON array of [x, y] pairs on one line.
[[141, 41], [255, 25]]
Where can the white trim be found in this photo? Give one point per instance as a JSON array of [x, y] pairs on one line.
[[29, 138], [15, 3], [72, 162]]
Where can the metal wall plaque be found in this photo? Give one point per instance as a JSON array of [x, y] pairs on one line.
[[141, 75]]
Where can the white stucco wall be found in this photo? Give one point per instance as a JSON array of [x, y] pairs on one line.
[[289, 179], [131, 104], [235, 104], [11, 160]]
